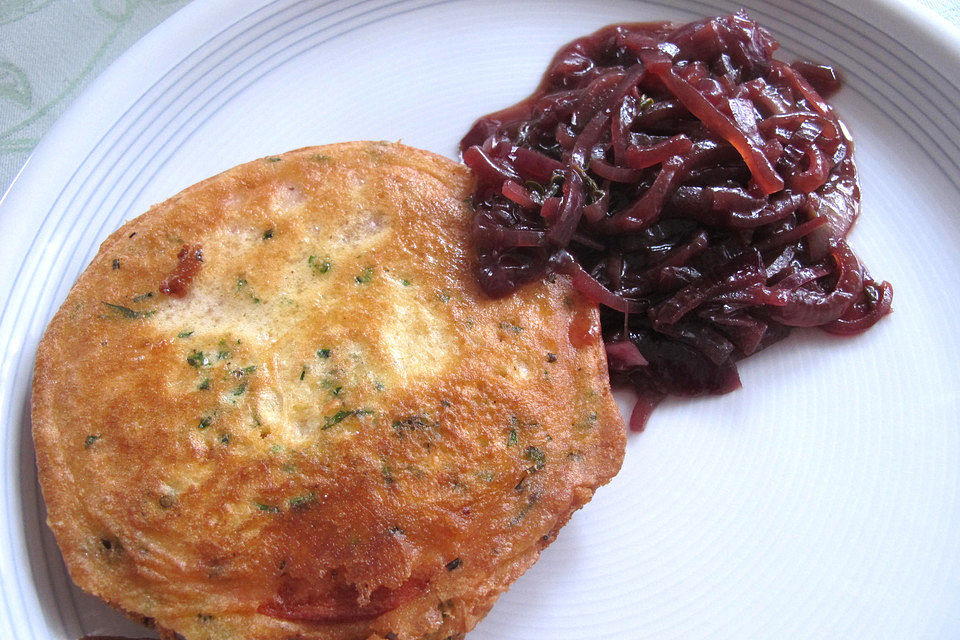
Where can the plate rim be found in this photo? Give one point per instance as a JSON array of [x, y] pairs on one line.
[[921, 25]]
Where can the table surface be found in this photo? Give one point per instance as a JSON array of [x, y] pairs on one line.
[[51, 49]]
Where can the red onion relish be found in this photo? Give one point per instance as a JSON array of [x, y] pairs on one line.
[[696, 188]]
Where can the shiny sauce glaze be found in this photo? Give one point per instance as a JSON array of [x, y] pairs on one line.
[[697, 188]]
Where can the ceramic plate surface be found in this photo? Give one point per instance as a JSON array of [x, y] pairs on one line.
[[820, 501]]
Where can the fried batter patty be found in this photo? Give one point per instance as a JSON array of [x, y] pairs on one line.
[[278, 406]]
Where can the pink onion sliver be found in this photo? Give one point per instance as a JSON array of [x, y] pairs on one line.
[[714, 119], [513, 237], [647, 209], [550, 209], [565, 136], [623, 355], [805, 88], [809, 308], [597, 211], [793, 120], [613, 173], [816, 173], [571, 208], [647, 401], [583, 147], [486, 169], [590, 287], [638, 158], [518, 194], [535, 165]]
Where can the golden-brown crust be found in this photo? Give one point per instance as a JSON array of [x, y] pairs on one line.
[[329, 432]]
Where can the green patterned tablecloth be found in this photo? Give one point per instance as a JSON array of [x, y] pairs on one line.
[[51, 49]]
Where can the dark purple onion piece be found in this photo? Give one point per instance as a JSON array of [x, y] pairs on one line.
[[592, 289], [612, 172], [872, 304], [535, 166], [597, 211], [571, 208], [701, 196], [489, 173], [646, 402], [647, 208], [823, 78], [743, 330], [518, 194], [763, 172], [641, 158], [807, 307]]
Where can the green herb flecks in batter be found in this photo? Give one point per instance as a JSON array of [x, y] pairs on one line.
[[88, 442], [412, 423], [299, 503], [587, 421], [197, 359], [365, 276], [524, 510], [185, 334], [323, 353], [386, 471], [537, 457], [342, 415], [268, 234], [204, 384], [319, 265], [268, 508], [513, 438], [127, 312], [332, 384], [510, 327], [243, 285], [336, 418]]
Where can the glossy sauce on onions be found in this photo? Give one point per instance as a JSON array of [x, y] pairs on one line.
[[697, 188]]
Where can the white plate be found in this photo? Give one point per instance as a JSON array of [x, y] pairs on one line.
[[821, 501]]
